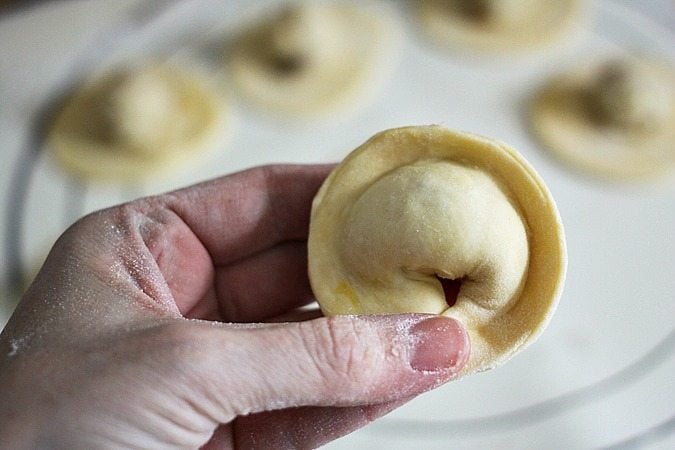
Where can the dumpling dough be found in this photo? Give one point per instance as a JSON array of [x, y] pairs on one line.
[[312, 57], [415, 205], [615, 119], [496, 25], [135, 123]]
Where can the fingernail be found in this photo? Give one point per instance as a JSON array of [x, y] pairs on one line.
[[440, 343]]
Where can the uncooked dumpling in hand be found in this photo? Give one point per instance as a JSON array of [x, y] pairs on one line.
[[427, 220]]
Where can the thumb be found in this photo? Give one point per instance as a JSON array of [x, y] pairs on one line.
[[338, 361]]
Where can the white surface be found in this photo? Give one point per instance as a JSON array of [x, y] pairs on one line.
[[619, 300]]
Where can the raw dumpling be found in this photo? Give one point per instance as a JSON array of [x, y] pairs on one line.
[[417, 213], [496, 25], [313, 57], [136, 123], [615, 119]]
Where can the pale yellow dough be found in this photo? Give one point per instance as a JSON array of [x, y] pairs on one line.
[[497, 25], [415, 203], [315, 57], [637, 138], [137, 123]]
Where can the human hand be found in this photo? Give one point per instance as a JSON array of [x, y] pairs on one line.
[[137, 331]]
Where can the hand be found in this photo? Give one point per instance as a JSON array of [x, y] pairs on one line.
[[137, 331]]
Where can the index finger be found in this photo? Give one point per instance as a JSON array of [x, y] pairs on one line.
[[244, 213]]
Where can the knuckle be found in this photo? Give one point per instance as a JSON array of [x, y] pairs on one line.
[[345, 353], [143, 216]]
